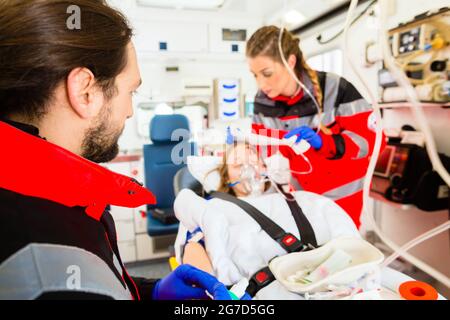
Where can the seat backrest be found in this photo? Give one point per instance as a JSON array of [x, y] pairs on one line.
[[167, 155], [184, 180]]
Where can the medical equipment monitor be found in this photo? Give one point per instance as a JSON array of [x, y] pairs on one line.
[[384, 162]]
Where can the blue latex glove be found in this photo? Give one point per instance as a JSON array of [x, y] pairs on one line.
[[178, 285], [246, 296], [306, 133]]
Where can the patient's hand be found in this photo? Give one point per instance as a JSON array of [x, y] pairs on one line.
[[195, 255]]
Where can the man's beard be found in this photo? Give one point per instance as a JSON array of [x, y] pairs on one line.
[[100, 143]]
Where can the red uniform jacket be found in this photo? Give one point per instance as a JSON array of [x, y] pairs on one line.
[[339, 167], [54, 224]]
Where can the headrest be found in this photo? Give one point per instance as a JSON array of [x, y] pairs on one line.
[[163, 126], [203, 168]]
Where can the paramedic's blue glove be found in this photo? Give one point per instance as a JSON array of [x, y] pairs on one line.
[[178, 285], [308, 134]]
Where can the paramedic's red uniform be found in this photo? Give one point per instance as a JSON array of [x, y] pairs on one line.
[[340, 165], [54, 223]]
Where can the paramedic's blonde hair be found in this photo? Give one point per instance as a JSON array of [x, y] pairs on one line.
[[264, 42]]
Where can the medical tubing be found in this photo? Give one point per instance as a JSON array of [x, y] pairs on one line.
[[401, 78], [419, 116], [420, 264], [294, 76], [309, 164], [319, 38], [441, 228], [275, 142]]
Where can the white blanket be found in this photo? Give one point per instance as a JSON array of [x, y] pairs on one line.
[[236, 244]]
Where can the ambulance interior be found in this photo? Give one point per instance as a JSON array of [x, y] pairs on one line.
[[192, 62]]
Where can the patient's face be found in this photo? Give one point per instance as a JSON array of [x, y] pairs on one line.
[[238, 157]]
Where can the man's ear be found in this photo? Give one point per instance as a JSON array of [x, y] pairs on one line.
[[85, 97], [292, 61]]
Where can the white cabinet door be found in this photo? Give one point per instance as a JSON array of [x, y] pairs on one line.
[[137, 170], [140, 213], [119, 167], [140, 219], [127, 250], [121, 213], [125, 230], [144, 247], [176, 37]]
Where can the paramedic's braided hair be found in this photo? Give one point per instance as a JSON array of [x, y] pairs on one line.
[[264, 42]]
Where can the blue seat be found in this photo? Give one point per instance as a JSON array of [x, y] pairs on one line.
[[162, 159]]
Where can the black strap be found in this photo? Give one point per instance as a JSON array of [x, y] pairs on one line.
[[288, 241], [270, 227], [262, 278], [307, 235]]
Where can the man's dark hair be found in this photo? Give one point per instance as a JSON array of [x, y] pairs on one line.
[[38, 50]]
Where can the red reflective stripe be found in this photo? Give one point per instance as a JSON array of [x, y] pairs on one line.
[[287, 118], [61, 176]]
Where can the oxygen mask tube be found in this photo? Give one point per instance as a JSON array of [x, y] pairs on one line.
[[274, 174], [261, 140], [252, 181]]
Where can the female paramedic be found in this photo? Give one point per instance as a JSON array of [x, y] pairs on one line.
[[332, 117]]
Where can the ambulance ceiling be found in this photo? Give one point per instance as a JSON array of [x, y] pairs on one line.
[[294, 12]]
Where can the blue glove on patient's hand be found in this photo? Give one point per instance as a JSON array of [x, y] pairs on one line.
[[178, 285], [306, 133]]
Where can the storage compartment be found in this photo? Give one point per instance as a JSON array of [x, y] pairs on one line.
[[121, 213], [153, 247], [125, 230], [140, 219], [143, 247], [229, 38], [127, 250], [162, 243]]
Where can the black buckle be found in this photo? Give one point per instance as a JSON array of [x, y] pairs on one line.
[[259, 280], [290, 243]]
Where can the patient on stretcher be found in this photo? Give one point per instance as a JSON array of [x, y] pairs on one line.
[[221, 238]]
